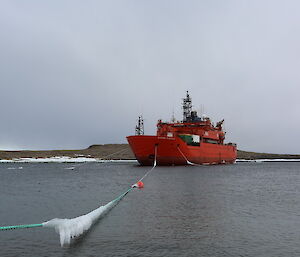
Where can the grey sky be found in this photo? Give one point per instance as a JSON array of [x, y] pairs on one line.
[[75, 73]]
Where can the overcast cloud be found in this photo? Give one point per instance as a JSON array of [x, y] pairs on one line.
[[76, 73]]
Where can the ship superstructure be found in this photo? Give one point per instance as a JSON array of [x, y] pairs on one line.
[[193, 140]]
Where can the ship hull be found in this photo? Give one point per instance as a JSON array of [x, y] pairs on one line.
[[174, 151]]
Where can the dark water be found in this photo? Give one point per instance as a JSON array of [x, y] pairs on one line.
[[246, 209]]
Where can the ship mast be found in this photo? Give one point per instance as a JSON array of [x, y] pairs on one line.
[[187, 107], [139, 128]]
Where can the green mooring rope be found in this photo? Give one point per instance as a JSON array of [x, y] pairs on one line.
[[115, 200], [41, 225], [21, 226]]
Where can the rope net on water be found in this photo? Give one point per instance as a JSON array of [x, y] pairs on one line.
[[72, 228]]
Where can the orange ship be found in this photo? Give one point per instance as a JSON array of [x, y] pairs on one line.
[[194, 140]]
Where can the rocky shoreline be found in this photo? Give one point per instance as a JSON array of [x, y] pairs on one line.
[[118, 152]]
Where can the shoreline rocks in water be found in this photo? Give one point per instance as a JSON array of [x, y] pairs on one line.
[[118, 152]]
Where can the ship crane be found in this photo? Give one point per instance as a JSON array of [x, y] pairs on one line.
[[219, 124]]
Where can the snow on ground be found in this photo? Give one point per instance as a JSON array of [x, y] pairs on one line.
[[61, 159], [66, 159], [269, 160]]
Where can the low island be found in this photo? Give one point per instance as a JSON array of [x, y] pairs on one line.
[[118, 152]]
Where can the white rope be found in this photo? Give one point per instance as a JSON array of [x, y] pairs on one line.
[[187, 161], [120, 151], [154, 164]]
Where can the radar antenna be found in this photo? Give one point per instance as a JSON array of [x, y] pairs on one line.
[[173, 119], [187, 107], [139, 128]]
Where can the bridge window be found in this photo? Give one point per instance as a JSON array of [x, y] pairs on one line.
[[193, 140], [210, 141]]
